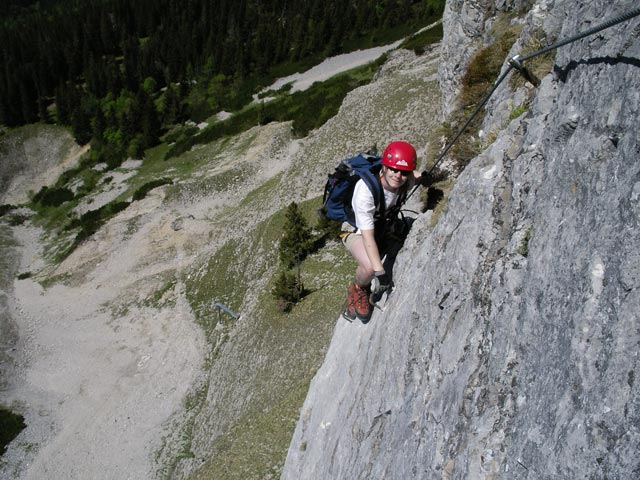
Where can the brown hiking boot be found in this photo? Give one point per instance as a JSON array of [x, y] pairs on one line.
[[362, 305], [350, 310]]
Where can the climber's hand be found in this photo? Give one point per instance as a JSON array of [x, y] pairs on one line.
[[426, 178], [381, 282]]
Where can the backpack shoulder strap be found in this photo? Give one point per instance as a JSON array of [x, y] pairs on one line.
[[373, 183]]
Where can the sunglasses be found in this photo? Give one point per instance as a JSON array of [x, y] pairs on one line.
[[404, 173]]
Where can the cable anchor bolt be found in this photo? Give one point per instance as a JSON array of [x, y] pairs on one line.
[[524, 71]]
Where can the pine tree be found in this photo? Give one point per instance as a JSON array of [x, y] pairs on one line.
[[297, 241], [295, 245], [81, 121], [149, 119], [288, 290], [171, 106]]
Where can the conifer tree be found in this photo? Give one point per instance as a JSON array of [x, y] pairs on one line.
[[295, 245], [81, 123], [150, 121], [171, 106], [297, 241], [287, 290]]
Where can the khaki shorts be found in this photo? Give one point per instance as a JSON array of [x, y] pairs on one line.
[[348, 238]]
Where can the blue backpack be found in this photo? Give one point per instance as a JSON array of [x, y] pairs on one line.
[[336, 202]]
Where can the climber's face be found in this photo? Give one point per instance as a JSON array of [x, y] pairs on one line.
[[393, 179]]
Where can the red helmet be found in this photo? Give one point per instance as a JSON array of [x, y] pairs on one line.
[[400, 155]]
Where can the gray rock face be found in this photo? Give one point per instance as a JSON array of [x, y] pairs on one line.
[[510, 347], [465, 23]]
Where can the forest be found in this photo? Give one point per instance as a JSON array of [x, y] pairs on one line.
[[120, 72]]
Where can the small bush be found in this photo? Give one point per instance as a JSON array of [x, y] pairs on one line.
[[136, 147], [4, 209], [286, 88], [90, 222], [523, 249], [141, 192], [181, 133], [53, 197], [10, 426], [16, 220]]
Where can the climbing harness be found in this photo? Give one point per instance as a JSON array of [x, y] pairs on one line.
[[516, 63]]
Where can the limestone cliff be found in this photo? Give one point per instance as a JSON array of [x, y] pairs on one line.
[[509, 348]]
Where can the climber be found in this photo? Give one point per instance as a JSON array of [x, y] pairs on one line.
[[366, 242]]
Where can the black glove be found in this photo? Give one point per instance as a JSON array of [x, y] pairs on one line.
[[426, 178], [381, 282]]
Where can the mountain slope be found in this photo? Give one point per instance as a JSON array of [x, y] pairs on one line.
[[288, 351], [123, 360]]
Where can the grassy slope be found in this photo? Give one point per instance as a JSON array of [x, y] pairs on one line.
[[280, 352]]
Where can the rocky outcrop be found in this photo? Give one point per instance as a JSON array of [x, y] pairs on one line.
[[462, 23], [509, 348], [465, 25]]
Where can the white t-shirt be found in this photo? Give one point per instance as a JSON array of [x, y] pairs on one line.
[[364, 206]]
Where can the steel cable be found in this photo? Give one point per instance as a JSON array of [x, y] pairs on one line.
[[516, 62]]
